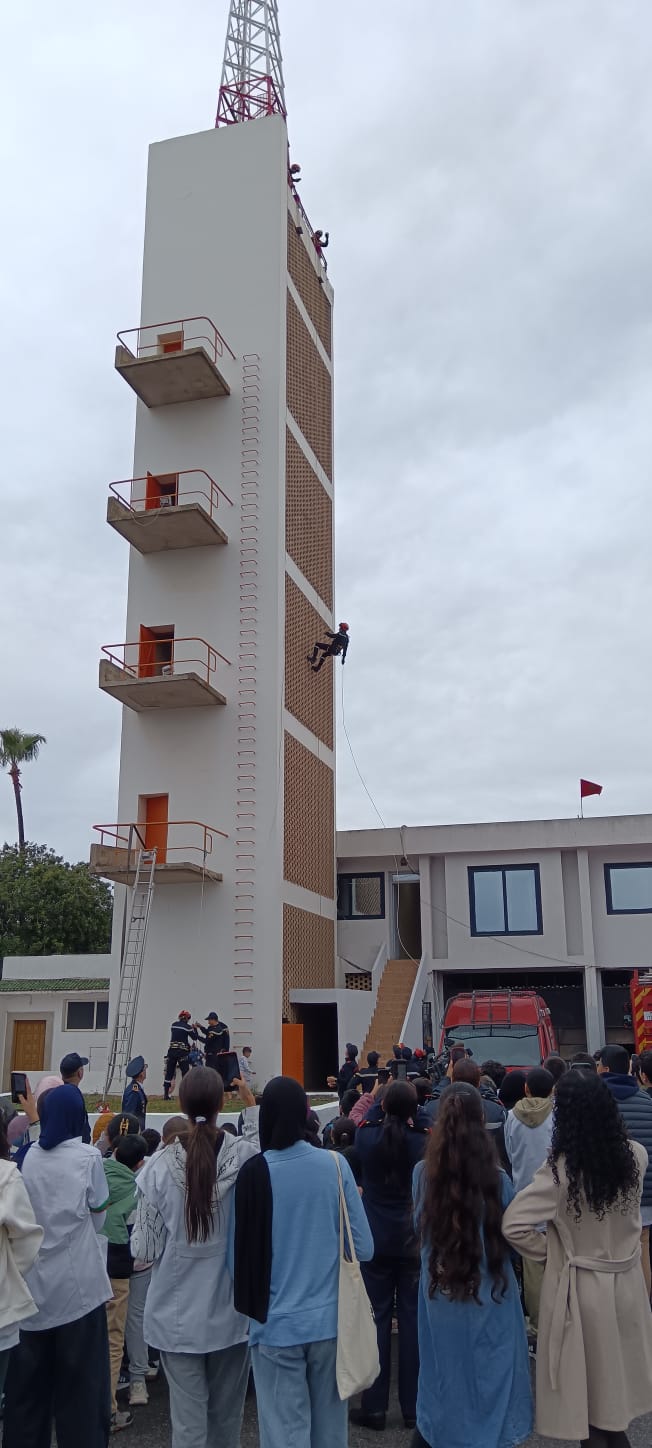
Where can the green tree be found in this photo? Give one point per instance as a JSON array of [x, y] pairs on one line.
[[17, 749], [48, 907]]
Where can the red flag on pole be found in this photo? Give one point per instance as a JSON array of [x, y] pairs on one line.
[[587, 788]]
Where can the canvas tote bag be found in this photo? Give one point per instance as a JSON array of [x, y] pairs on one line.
[[357, 1362]]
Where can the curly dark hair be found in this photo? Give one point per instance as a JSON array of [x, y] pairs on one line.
[[591, 1136], [460, 1199]]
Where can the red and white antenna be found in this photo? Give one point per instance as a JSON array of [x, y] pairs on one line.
[[252, 74]]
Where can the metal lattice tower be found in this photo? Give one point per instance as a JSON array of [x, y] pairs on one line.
[[252, 74]]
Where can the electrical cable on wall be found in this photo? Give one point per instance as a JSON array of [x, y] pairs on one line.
[[429, 904]]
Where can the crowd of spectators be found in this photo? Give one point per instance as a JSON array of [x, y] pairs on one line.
[[498, 1216]]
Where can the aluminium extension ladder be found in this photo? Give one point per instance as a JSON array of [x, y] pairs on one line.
[[131, 968]]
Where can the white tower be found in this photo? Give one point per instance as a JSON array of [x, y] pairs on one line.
[[227, 756]]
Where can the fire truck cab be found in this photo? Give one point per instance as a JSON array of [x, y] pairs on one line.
[[510, 1026]]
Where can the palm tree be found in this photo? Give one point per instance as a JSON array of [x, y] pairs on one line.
[[16, 749]]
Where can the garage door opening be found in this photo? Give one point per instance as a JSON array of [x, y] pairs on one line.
[[563, 993], [320, 1043]]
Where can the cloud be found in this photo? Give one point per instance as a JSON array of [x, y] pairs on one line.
[[484, 172]]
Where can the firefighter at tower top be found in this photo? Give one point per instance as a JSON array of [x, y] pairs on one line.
[[331, 647], [182, 1032]]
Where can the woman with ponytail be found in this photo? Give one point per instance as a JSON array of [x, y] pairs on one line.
[[389, 1144], [182, 1222], [474, 1378]]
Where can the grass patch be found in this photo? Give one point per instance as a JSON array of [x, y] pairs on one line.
[[158, 1107]]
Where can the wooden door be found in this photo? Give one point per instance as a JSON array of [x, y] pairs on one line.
[[292, 1051], [28, 1046], [147, 653], [156, 825]]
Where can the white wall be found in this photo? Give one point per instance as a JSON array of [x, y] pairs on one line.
[[50, 1006], [215, 245], [54, 967]]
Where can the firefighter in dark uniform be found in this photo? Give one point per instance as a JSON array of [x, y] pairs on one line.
[[178, 1056], [330, 648], [215, 1037], [134, 1100]]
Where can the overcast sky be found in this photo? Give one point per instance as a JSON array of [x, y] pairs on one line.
[[485, 170]]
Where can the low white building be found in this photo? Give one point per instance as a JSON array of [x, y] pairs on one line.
[[560, 906], [51, 1005]]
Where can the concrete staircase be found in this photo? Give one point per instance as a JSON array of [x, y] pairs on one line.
[[394, 991]]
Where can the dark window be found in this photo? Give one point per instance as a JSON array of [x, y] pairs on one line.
[[361, 897], [80, 1016], [87, 1015], [505, 901], [629, 889], [102, 1016]]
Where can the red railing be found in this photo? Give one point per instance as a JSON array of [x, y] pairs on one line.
[[206, 491], [125, 836], [140, 665], [159, 339]]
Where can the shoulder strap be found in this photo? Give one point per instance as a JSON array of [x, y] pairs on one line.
[[345, 1225]]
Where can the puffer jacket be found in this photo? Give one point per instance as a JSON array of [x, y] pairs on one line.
[[635, 1107]]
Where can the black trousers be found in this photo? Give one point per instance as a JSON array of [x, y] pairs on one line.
[[176, 1061], [386, 1279], [326, 653], [60, 1377]]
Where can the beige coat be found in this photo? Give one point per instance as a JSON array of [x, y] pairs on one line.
[[594, 1349], [20, 1239]]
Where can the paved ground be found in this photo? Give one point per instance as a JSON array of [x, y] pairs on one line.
[[151, 1429]]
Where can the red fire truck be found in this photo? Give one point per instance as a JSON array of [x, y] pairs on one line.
[[640, 989], [510, 1026]]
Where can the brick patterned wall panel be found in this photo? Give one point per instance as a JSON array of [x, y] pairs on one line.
[[307, 284], [309, 824], [308, 696], [308, 522], [309, 389], [308, 952]]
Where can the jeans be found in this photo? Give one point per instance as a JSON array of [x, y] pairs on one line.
[[298, 1402], [136, 1346], [60, 1375], [207, 1393], [384, 1278]]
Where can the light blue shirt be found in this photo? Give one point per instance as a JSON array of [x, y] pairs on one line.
[[306, 1245]]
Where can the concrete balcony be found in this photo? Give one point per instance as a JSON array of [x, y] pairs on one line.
[[183, 361], [187, 852], [169, 510], [161, 672]]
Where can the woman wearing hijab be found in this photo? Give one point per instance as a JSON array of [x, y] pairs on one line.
[[60, 1370], [182, 1219], [286, 1256]]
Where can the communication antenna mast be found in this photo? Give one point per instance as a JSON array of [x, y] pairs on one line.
[[252, 73]]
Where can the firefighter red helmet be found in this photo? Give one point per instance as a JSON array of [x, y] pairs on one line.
[[344, 627], [184, 1015]]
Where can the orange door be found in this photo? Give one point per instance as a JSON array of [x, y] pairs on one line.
[[146, 653], [156, 825], [28, 1046], [292, 1051], [152, 492]]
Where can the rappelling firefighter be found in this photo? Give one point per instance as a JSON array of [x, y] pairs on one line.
[[330, 648]]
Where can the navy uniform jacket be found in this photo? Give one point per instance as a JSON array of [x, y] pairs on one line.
[[388, 1208], [216, 1038], [134, 1100], [182, 1034]]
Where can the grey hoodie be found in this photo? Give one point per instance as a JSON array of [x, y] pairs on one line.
[[528, 1133]]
